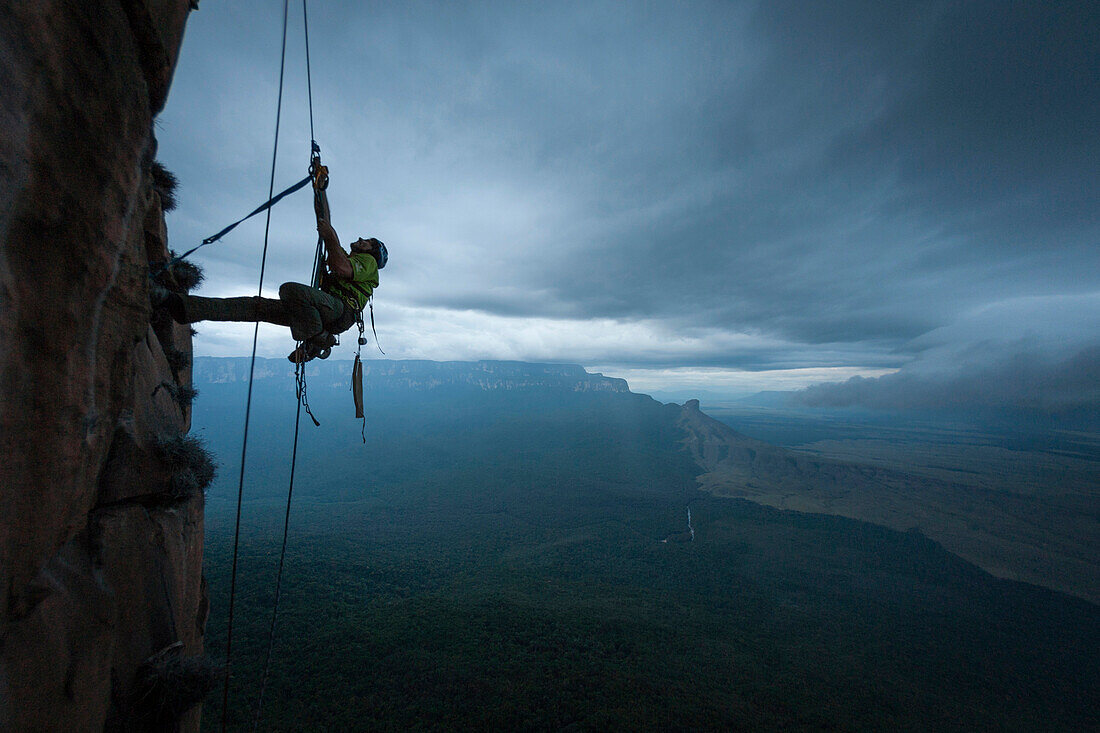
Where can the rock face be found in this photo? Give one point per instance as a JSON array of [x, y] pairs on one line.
[[1008, 535], [101, 507]]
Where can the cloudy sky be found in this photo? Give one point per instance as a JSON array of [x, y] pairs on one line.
[[894, 201]]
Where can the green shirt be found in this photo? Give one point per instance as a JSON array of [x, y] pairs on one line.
[[364, 279]]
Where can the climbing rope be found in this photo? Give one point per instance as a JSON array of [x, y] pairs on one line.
[[309, 76], [266, 206], [316, 173], [272, 199], [299, 379], [251, 376]]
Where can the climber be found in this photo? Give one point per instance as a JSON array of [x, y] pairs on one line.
[[314, 315]]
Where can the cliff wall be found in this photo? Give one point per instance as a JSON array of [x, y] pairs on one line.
[[101, 597], [1009, 535]]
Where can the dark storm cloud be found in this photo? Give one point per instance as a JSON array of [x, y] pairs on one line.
[[826, 182], [1040, 355], [1021, 380], [824, 172], [887, 166]]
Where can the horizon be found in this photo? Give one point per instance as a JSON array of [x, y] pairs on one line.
[[776, 401], [594, 371]]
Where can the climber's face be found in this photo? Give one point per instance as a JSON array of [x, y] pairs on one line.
[[362, 245]]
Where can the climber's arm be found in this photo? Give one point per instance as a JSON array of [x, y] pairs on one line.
[[337, 259]]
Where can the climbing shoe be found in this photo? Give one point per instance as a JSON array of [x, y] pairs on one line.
[[162, 297], [318, 347]]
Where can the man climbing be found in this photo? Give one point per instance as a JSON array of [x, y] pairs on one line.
[[314, 315]]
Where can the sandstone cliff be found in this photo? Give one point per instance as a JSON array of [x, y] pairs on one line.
[[1008, 535], [101, 505]]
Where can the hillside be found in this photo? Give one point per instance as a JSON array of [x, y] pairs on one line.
[[1043, 538]]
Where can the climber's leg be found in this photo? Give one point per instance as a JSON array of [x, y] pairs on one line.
[[308, 309], [195, 308]]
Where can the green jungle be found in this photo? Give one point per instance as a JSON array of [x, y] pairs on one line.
[[522, 560]]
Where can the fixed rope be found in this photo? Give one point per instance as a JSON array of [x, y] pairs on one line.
[[272, 199], [300, 388], [266, 206], [248, 402], [309, 77]]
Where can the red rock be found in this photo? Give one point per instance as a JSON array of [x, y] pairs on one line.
[[86, 593]]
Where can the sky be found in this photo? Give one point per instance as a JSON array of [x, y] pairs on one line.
[[886, 204]]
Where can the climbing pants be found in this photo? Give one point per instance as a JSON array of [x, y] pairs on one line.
[[307, 311]]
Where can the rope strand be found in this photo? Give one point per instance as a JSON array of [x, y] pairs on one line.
[[299, 378], [300, 389], [248, 402], [309, 76]]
